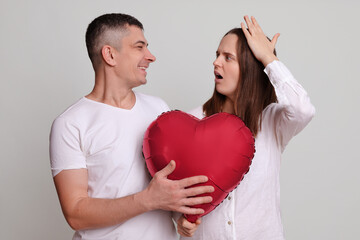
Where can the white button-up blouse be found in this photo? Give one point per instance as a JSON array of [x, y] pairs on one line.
[[252, 210]]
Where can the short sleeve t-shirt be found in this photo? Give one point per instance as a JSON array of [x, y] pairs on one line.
[[107, 141]]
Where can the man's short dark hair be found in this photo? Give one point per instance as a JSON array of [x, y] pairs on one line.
[[102, 24]]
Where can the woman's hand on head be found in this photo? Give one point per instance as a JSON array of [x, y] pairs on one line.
[[262, 48]]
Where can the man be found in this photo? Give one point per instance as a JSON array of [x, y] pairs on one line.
[[95, 146]]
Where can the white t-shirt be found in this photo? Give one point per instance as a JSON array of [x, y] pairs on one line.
[[252, 210], [107, 141]]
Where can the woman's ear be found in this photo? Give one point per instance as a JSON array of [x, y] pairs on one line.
[[108, 54]]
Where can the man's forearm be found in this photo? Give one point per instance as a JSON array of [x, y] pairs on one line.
[[90, 213]]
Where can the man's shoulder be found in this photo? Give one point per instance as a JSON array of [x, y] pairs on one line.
[[197, 112], [151, 100], [148, 98], [74, 108], [77, 112]]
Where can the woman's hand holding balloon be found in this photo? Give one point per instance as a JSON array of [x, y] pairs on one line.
[[186, 228]]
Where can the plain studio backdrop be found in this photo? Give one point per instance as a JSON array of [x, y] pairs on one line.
[[44, 68]]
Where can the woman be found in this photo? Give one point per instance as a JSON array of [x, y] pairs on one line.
[[275, 108]]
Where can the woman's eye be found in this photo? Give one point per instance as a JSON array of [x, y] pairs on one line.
[[228, 58]]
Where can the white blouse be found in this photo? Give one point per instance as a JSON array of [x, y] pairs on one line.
[[252, 210]]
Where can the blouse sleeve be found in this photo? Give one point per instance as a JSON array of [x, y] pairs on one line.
[[294, 110]]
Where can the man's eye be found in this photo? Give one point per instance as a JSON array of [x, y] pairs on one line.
[[139, 47]]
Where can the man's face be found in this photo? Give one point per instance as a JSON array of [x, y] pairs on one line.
[[133, 58]]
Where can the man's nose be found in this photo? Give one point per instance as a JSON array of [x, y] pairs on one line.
[[150, 57]]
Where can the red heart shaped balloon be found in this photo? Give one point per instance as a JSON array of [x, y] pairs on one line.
[[220, 147]]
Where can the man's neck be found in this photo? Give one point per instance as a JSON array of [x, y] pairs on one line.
[[112, 92]]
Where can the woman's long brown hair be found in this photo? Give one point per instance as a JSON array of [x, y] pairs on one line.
[[254, 91]]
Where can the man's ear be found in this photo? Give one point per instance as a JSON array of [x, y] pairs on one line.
[[108, 54]]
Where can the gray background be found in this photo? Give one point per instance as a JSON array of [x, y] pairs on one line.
[[44, 68]]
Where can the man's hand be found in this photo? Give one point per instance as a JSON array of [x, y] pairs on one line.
[[186, 228], [174, 195]]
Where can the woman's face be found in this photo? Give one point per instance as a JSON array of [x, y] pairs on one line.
[[226, 66]]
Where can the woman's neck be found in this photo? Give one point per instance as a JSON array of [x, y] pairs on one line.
[[228, 106]]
